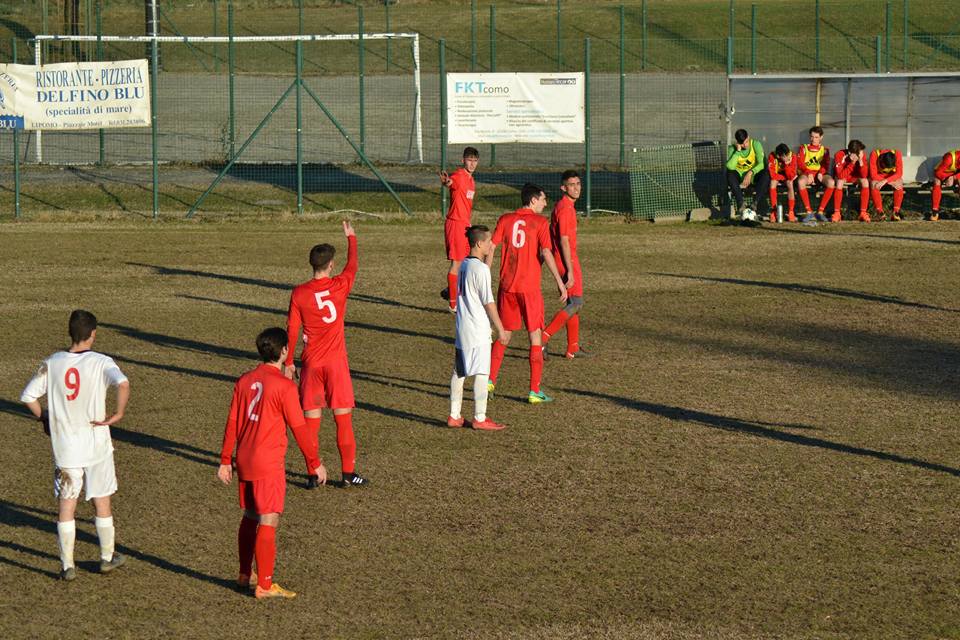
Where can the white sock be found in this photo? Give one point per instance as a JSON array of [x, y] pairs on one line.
[[105, 533], [456, 395], [66, 536], [480, 397]]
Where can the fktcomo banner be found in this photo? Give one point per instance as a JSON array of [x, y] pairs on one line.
[[515, 107], [75, 95]]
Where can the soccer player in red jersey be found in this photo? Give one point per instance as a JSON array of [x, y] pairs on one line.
[[319, 306], [563, 237], [782, 167], [264, 403], [886, 168], [462, 189], [946, 173], [849, 167], [812, 162], [525, 238]]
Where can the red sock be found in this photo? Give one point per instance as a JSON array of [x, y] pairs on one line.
[[865, 198], [805, 198], [536, 367], [313, 428], [897, 200], [828, 192], [496, 359], [877, 200], [935, 196], [452, 289], [791, 205], [346, 442], [246, 539], [837, 200], [266, 552], [558, 321], [773, 199], [573, 334]]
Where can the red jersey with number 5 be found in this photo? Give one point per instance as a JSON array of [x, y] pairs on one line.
[[523, 235], [264, 403], [319, 306]]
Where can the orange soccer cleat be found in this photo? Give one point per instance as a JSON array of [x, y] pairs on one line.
[[454, 423], [864, 217], [488, 425], [791, 217], [275, 591], [835, 217]]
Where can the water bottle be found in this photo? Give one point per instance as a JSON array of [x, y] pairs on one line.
[[780, 213]]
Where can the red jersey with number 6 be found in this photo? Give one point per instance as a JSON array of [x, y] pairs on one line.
[[523, 235], [319, 306], [264, 403]]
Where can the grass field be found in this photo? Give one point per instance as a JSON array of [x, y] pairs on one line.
[[765, 446]]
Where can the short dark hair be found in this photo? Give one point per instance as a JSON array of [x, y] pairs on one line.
[[529, 192], [740, 135], [566, 175], [855, 146], [887, 160], [82, 324], [471, 152], [817, 130], [321, 255], [476, 233], [781, 150], [270, 343]]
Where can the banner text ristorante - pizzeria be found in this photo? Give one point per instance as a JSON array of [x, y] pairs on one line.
[[85, 85]]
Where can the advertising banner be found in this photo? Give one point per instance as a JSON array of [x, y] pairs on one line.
[[75, 95], [515, 107]]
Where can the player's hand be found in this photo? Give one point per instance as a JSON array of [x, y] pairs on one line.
[[563, 293], [348, 229], [225, 473], [445, 178], [114, 419], [289, 371], [321, 473], [503, 337], [569, 281]]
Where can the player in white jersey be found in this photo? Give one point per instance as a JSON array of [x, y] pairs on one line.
[[476, 311], [75, 383]]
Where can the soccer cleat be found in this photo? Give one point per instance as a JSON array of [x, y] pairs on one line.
[[791, 217], [835, 217], [864, 217], [445, 293], [312, 482], [934, 216], [452, 310], [773, 217], [895, 216], [245, 582], [491, 386], [578, 354], [538, 397], [275, 591], [809, 220], [820, 217], [454, 423], [354, 480], [118, 560], [488, 425], [69, 574]]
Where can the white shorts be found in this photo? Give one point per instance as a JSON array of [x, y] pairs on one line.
[[98, 480], [472, 362]]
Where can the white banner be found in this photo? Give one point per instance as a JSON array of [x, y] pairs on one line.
[[75, 95], [514, 107]]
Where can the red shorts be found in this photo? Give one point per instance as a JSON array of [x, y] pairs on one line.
[[326, 384], [265, 495], [455, 238], [520, 308], [577, 289]]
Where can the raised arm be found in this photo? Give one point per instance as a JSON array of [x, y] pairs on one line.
[[350, 268]]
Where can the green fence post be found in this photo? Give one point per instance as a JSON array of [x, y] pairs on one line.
[[443, 119], [493, 66], [643, 36], [888, 27], [360, 48], [559, 40], [730, 20], [473, 35], [46, 31], [231, 73], [729, 56], [216, 45], [586, 118], [906, 30], [87, 19], [623, 76], [753, 39], [300, 17], [817, 34], [299, 127], [154, 60], [16, 154], [878, 47], [100, 155], [386, 11]]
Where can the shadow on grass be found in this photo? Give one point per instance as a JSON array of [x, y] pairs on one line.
[[183, 344], [881, 236], [15, 515], [811, 289], [767, 430]]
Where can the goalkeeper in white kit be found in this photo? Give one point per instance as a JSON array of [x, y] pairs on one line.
[[476, 311]]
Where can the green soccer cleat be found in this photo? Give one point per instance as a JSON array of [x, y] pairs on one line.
[[69, 574], [491, 386], [538, 397], [118, 560]]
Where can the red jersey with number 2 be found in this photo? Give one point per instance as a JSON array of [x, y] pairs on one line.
[[264, 403], [319, 306], [523, 235]]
